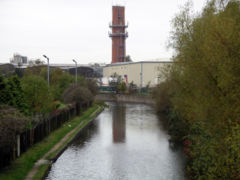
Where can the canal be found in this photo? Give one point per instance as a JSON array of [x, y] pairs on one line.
[[125, 142]]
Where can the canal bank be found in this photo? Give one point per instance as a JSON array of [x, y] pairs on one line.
[[48, 149], [42, 166], [128, 98]]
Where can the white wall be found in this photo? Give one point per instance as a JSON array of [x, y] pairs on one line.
[[152, 71]]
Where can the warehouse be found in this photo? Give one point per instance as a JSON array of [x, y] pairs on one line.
[[140, 73]]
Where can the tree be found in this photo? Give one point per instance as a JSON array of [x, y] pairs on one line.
[[132, 88], [37, 71], [82, 81], [122, 87], [39, 62], [92, 86], [115, 81], [12, 122], [78, 94], [128, 58], [59, 81], [16, 94], [204, 87], [162, 98], [55, 75], [11, 93], [60, 85], [36, 92], [4, 92]]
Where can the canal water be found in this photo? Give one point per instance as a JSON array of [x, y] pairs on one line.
[[125, 142]]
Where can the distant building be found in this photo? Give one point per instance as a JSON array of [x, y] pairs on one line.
[[24, 59], [83, 70], [18, 59], [35, 62], [141, 73]]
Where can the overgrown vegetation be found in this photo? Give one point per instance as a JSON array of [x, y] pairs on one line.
[[11, 93], [201, 93], [36, 93], [26, 102], [12, 122], [77, 93], [19, 168]]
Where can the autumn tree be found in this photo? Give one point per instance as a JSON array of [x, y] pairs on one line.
[[204, 88]]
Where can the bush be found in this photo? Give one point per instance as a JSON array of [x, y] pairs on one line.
[[162, 97], [132, 89], [122, 87], [92, 86], [12, 122], [77, 93]]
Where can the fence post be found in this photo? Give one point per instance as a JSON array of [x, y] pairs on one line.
[[18, 146]]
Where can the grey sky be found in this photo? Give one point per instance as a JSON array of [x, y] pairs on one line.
[[78, 29]]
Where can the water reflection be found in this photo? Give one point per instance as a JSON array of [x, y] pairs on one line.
[[119, 123], [85, 135]]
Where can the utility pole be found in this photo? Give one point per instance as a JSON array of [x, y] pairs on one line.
[[141, 77], [47, 67], [75, 71]]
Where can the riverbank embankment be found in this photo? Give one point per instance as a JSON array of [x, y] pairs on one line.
[[34, 163], [126, 98]]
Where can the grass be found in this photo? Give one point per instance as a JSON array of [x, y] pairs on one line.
[[20, 167], [61, 105], [41, 171]]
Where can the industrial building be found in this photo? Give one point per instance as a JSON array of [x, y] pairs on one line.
[[19, 59], [141, 73]]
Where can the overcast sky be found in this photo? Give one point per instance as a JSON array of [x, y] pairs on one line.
[[78, 29]]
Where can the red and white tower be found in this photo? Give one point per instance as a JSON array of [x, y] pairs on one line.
[[118, 34]]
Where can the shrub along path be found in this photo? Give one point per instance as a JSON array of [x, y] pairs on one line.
[[34, 163]]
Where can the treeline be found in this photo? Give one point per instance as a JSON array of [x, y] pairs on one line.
[[28, 101], [201, 94]]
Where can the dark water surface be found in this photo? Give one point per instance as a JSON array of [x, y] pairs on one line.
[[126, 141]]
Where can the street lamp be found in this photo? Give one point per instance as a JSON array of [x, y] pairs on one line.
[[75, 71], [47, 67]]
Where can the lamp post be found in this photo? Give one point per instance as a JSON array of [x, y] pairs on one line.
[[47, 67], [75, 71], [141, 78]]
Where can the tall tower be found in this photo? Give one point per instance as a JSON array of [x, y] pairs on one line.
[[118, 34]]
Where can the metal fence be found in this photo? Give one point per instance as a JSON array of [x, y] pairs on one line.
[[39, 132]]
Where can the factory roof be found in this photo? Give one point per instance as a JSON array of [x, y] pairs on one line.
[[138, 62]]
